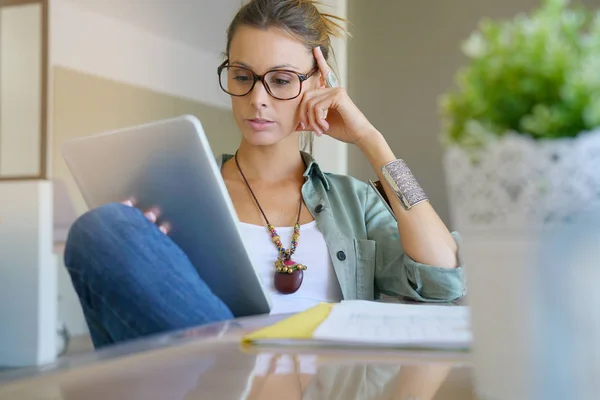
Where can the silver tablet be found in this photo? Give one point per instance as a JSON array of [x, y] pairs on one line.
[[169, 164]]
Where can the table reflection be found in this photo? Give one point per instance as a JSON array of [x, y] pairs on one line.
[[233, 375], [303, 377], [211, 363]]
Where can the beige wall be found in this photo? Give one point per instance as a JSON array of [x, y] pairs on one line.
[[84, 104], [402, 56], [20, 90]]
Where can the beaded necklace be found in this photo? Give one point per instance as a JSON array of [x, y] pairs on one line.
[[288, 273]]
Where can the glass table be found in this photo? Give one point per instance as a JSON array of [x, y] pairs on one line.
[[210, 362]]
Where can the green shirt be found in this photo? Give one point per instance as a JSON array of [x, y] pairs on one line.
[[364, 243]]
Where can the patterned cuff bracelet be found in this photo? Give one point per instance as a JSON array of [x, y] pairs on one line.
[[403, 184]]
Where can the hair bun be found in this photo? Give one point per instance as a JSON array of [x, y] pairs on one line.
[[303, 19]]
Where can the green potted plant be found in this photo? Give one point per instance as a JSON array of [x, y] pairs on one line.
[[522, 128], [522, 159]]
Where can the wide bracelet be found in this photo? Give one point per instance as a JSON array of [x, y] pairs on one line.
[[403, 184]]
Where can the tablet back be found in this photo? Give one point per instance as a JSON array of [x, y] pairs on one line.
[[169, 164]]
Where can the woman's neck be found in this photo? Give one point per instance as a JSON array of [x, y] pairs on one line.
[[271, 163]]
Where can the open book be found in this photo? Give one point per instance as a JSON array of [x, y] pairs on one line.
[[372, 324]]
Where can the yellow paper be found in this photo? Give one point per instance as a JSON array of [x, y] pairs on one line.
[[299, 326]]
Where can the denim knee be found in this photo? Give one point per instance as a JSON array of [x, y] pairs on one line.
[[103, 217], [95, 225]]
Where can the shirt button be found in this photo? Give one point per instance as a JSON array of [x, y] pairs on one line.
[[319, 208], [341, 255]]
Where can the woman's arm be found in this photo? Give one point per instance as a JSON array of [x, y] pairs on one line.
[[423, 235]]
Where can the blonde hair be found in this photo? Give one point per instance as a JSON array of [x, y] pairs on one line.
[[301, 19]]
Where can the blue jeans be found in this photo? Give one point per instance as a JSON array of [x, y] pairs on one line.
[[132, 280]]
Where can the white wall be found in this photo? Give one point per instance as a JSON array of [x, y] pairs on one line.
[[20, 90], [28, 312], [201, 24], [93, 43]]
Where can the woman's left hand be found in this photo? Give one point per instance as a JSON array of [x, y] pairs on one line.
[[330, 111]]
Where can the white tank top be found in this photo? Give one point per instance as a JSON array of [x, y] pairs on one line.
[[320, 282]]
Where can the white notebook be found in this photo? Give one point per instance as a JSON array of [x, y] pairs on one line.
[[371, 324], [396, 325]]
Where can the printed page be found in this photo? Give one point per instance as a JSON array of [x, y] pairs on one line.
[[397, 325]]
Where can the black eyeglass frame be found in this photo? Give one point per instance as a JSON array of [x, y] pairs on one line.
[[256, 77]]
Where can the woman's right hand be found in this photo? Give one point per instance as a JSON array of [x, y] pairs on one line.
[[153, 213]]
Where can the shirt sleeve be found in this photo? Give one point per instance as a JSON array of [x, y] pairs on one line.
[[397, 274]]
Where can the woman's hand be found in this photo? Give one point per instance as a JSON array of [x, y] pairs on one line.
[[153, 213], [330, 111]]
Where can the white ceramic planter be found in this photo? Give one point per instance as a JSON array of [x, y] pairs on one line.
[[509, 207], [520, 184]]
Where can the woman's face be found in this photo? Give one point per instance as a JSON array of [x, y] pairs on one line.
[[263, 119]]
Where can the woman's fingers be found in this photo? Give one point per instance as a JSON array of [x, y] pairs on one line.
[[309, 100], [319, 111], [324, 68], [316, 117], [312, 122], [316, 109], [165, 228], [128, 202], [152, 214], [303, 111]]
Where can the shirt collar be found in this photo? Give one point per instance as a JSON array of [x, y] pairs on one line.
[[312, 167]]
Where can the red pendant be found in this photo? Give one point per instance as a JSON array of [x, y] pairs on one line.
[[288, 276]]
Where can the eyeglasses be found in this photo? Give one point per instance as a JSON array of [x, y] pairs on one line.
[[282, 84]]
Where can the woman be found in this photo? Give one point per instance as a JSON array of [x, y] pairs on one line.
[[132, 280]]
